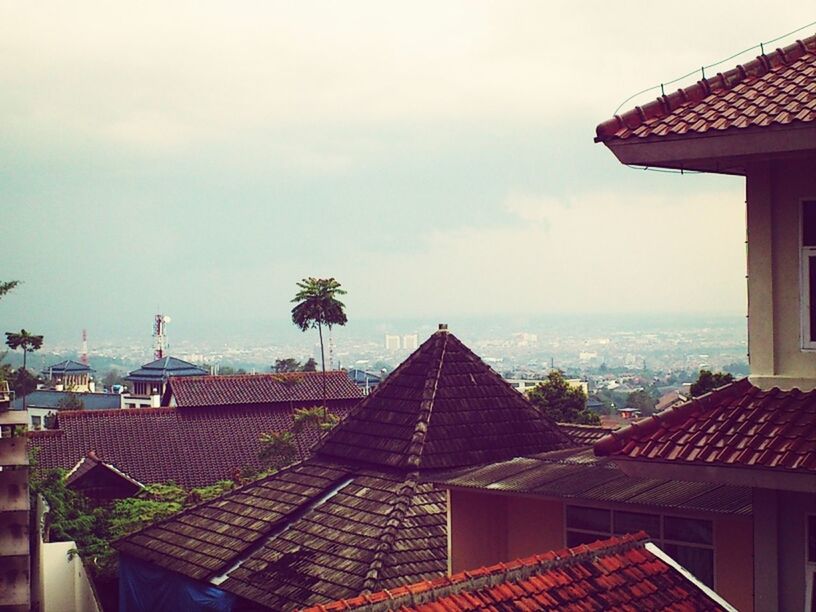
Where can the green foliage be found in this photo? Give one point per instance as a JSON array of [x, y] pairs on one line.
[[21, 381], [562, 402], [317, 304], [290, 364], [708, 381], [315, 417], [278, 449], [6, 286], [24, 340], [309, 366], [230, 371], [641, 400], [93, 527], [71, 402], [113, 377]]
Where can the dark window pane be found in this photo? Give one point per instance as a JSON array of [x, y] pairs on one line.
[[593, 519], [687, 530], [809, 223], [699, 561], [576, 538], [811, 541], [632, 522], [812, 296]]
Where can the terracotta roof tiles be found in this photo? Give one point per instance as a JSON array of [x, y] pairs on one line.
[[775, 89], [737, 425], [621, 573]]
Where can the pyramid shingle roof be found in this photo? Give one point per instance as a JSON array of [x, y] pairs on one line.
[[441, 408]]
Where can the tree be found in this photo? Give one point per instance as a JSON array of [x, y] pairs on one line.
[[288, 364], [562, 402], [316, 305], [24, 340], [309, 366], [6, 286], [113, 377], [708, 381], [641, 400]]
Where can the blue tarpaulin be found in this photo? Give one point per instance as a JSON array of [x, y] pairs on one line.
[[144, 587]]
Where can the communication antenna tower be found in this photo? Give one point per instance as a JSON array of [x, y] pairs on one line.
[[83, 357], [160, 321]]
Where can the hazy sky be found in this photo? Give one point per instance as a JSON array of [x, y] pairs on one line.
[[436, 158]]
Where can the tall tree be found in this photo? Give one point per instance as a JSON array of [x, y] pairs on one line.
[[708, 381], [25, 340], [316, 305], [6, 286], [289, 364], [561, 401]]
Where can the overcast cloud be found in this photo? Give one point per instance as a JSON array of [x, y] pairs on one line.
[[434, 157]]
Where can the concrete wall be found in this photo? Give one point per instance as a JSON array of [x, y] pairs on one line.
[[66, 585], [774, 194]]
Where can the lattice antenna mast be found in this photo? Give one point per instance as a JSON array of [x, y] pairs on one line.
[[83, 357], [160, 322]]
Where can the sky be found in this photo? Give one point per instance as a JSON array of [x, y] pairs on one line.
[[437, 158]]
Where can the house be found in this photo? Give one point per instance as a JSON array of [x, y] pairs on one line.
[[367, 381], [292, 390], [757, 120], [356, 516], [70, 376], [192, 447], [616, 574], [148, 383], [100, 480], [44, 403]]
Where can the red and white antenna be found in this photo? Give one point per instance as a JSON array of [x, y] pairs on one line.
[[83, 356], [159, 335]]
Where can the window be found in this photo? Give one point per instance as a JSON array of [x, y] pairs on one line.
[[36, 422], [689, 541], [808, 273]]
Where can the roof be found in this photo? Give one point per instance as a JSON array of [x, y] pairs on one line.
[[355, 516], [576, 474], [442, 407], [94, 476], [584, 435], [155, 445], [260, 389], [669, 399], [69, 367], [51, 399], [363, 377], [738, 425], [622, 573], [778, 89], [314, 532], [162, 369]]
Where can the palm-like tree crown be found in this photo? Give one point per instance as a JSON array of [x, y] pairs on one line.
[[317, 303]]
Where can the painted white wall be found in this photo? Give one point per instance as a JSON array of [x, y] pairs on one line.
[[66, 586]]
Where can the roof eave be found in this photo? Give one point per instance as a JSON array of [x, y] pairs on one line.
[[726, 152], [746, 476]]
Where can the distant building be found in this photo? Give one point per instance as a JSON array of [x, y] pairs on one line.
[[70, 375], [392, 343], [670, 400], [148, 383], [366, 381], [44, 403], [410, 342], [523, 384]]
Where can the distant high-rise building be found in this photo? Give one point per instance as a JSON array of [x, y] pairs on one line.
[[392, 343], [410, 342]]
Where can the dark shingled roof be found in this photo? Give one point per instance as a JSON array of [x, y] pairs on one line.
[[69, 367], [45, 398], [259, 389], [622, 573], [738, 425], [355, 517], [777, 89], [193, 448], [164, 368], [442, 407], [584, 435]]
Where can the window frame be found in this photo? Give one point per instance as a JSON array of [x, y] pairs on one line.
[[805, 307]]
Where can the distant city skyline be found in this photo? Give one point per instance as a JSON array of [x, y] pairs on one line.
[[437, 160]]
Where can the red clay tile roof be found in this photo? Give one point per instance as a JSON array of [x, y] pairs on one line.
[[190, 447], [314, 532], [737, 425], [775, 89], [621, 573], [260, 389], [442, 407], [584, 435]]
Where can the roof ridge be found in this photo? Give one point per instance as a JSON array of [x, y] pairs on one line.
[[272, 375], [87, 414], [616, 439], [667, 103], [388, 536], [426, 406]]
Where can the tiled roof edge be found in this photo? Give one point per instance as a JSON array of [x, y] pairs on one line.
[[666, 104], [87, 414], [616, 440], [426, 406]]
